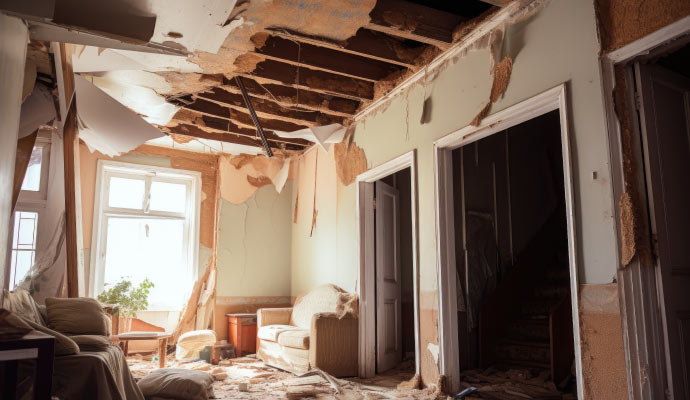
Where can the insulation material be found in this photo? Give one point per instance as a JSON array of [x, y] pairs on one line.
[[628, 228], [38, 109], [502, 71], [105, 124], [624, 21], [350, 161], [324, 136]]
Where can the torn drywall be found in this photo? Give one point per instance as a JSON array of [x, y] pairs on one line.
[[105, 124], [350, 161], [241, 175]]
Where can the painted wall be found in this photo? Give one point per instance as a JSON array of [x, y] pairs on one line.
[[557, 45], [14, 37]]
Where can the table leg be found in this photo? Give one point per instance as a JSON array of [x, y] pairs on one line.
[[44, 371], [162, 350], [125, 347], [10, 379]]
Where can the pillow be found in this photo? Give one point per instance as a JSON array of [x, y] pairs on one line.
[[174, 383], [322, 299], [91, 342], [64, 346], [77, 316], [12, 325]]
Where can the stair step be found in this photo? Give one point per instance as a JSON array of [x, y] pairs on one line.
[[529, 330], [538, 352]]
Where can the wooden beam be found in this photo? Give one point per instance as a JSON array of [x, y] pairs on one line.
[[70, 136], [309, 79], [268, 108], [365, 43], [242, 119], [321, 58], [289, 96], [228, 137], [415, 22], [219, 125]]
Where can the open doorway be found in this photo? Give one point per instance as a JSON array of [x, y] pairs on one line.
[[513, 290], [388, 288], [507, 265]]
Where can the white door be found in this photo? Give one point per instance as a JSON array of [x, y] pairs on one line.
[[665, 98], [388, 288]]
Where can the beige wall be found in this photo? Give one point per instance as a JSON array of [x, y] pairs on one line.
[[557, 45]]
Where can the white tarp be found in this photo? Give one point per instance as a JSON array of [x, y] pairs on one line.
[[323, 135], [105, 124]]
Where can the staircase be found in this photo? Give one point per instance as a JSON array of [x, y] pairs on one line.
[[527, 321]]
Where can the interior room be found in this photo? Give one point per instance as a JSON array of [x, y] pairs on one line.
[[250, 199]]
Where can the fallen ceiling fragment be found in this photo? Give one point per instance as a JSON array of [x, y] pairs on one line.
[[105, 124], [324, 136], [38, 109]]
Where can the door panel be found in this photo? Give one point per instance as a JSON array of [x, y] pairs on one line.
[[666, 133], [388, 278]]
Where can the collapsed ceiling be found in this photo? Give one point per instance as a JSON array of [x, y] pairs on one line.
[[309, 66]]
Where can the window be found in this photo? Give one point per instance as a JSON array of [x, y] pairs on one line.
[[23, 232], [147, 228]]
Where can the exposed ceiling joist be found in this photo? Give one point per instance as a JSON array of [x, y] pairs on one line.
[[240, 118], [309, 79], [228, 137], [268, 107], [365, 43], [289, 96], [415, 22], [322, 58]]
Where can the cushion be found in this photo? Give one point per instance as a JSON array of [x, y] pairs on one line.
[[191, 343], [12, 326], [64, 346], [173, 383], [77, 316], [20, 302], [271, 332], [295, 338], [324, 298], [91, 342]]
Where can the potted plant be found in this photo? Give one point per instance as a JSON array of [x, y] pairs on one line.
[[127, 298]]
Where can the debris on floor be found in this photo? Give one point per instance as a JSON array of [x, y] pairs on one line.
[[513, 384], [249, 378]]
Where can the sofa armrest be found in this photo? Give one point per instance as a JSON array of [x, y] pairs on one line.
[[273, 316], [334, 344]]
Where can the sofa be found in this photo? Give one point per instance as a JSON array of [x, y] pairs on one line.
[[86, 364], [319, 332]]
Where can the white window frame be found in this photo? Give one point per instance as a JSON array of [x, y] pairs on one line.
[[101, 210], [31, 201]]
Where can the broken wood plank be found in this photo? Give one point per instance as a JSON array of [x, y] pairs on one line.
[[269, 108], [304, 78], [321, 58], [415, 22]]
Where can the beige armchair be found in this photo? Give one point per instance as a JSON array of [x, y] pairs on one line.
[[310, 335]]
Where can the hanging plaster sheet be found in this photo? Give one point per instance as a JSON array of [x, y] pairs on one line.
[[105, 124], [324, 136], [38, 109], [281, 177]]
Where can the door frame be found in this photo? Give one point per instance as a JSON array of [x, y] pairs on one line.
[[644, 346], [540, 104], [366, 279]]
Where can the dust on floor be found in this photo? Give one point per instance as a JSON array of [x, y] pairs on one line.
[[264, 382]]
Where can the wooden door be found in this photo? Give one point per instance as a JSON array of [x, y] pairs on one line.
[[388, 278], [665, 120]]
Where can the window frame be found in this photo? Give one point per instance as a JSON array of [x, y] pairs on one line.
[[102, 211]]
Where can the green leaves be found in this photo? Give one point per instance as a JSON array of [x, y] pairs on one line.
[[130, 299]]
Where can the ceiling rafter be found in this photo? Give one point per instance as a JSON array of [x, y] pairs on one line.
[[229, 137]]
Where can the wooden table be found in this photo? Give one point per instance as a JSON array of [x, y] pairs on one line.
[[242, 333], [162, 338], [36, 345]]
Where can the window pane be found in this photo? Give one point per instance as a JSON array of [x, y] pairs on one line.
[[126, 193], [168, 196], [139, 248], [22, 260], [32, 179]]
